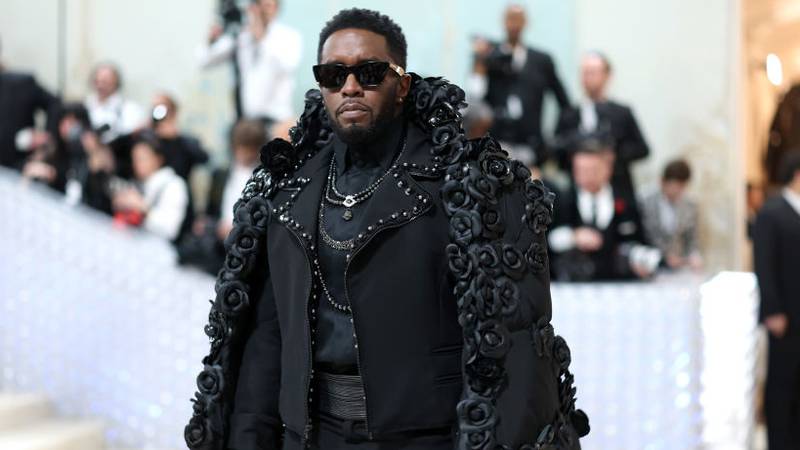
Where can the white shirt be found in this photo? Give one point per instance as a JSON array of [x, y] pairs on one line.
[[233, 189], [166, 197], [793, 198], [601, 203], [588, 116], [121, 115], [267, 69]]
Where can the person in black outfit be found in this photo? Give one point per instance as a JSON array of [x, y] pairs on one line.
[[598, 232], [380, 290], [776, 245], [515, 79], [182, 151], [595, 116], [21, 97]]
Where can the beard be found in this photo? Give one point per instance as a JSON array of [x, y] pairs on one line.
[[361, 135]]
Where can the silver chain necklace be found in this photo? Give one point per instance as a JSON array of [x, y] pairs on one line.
[[344, 245], [350, 200]]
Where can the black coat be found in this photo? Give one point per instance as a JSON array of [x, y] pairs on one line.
[[776, 247], [537, 77], [448, 287], [606, 263], [619, 123], [20, 97]]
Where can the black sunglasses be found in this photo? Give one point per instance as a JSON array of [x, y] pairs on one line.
[[368, 73]]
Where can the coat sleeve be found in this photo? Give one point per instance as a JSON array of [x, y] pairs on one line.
[[255, 422], [633, 146], [765, 249]]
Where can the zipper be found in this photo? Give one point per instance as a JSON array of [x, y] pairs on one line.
[[307, 428], [353, 311]]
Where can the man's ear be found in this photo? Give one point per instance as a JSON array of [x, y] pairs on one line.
[[404, 87]]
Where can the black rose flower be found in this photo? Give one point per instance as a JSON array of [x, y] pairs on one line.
[[489, 259], [223, 277], [487, 300], [462, 264], [455, 197], [580, 421], [278, 157], [495, 340], [422, 97], [561, 353], [535, 190], [255, 212], [464, 227], [442, 135], [497, 165], [243, 240], [480, 187], [476, 412], [457, 150], [196, 433], [520, 171], [543, 336], [537, 216], [513, 261], [536, 256], [493, 226], [467, 311], [237, 265], [508, 293], [232, 298], [215, 329], [210, 382], [488, 373]]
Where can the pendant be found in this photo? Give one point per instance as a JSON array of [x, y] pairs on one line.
[[349, 201], [348, 214]]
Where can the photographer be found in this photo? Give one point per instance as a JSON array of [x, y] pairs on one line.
[[513, 79], [182, 152], [111, 114], [265, 53]]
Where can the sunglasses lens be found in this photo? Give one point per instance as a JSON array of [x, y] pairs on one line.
[[371, 73], [330, 75]]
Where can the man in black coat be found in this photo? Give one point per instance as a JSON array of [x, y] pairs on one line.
[[20, 97], [597, 115], [386, 280], [776, 245], [597, 233], [513, 81]]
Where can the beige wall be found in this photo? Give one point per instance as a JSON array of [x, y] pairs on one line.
[[676, 64]]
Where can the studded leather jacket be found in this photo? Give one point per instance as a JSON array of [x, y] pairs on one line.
[[448, 286]]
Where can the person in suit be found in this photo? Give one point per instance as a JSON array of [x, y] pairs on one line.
[[512, 80], [597, 231], [670, 218], [776, 248], [596, 114], [380, 196], [21, 96]]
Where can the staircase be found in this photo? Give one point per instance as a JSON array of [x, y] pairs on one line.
[[27, 423]]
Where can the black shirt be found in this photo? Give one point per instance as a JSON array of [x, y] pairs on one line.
[[356, 169]]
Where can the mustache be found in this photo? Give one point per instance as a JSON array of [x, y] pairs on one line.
[[351, 106]]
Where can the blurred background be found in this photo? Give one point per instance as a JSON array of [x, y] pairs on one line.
[[109, 109]]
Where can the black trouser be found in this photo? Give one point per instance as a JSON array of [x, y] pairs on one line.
[[331, 433], [782, 393]]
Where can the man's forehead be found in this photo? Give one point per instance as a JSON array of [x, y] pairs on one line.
[[353, 45]]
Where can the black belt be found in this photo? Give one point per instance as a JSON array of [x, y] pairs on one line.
[[342, 396]]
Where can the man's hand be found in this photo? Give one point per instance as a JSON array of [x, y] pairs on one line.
[[129, 200], [214, 33], [588, 239], [777, 324]]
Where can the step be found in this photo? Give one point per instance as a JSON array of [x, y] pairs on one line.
[[55, 434], [18, 409]]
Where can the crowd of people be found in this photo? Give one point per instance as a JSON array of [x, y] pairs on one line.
[[134, 163]]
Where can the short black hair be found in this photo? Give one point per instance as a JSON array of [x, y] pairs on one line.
[[790, 165], [677, 170], [365, 19], [150, 139]]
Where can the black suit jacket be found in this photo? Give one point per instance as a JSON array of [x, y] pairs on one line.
[[776, 246], [537, 77], [619, 123], [448, 287], [20, 97], [605, 263]]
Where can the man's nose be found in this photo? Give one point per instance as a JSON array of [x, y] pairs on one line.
[[351, 87]]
